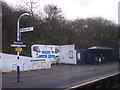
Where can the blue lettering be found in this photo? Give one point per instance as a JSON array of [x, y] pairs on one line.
[[42, 56], [51, 56], [45, 52]]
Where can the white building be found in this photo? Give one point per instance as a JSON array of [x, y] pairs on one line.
[[66, 53]]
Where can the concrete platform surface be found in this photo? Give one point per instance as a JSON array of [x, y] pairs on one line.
[[59, 76]]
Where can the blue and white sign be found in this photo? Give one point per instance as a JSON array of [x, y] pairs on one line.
[[18, 44], [46, 54], [15, 45], [45, 51]]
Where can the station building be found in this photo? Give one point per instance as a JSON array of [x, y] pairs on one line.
[[69, 55], [44, 56]]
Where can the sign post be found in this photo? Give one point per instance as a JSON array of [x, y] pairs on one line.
[[18, 44], [18, 49]]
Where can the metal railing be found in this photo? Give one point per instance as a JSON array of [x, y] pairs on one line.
[[35, 65], [14, 66], [24, 67]]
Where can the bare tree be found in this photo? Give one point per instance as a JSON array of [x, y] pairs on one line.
[[31, 4], [53, 12]]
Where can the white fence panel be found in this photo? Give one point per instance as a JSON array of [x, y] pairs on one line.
[[9, 63]]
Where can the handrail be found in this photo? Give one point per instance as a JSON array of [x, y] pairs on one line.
[[43, 63], [34, 65], [13, 66], [27, 65]]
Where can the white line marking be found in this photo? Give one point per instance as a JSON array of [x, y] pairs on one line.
[[91, 81]]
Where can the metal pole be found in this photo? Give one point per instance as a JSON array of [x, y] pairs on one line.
[[18, 68], [19, 39]]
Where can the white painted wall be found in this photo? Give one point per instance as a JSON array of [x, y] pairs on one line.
[[65, 54], [9, 62]]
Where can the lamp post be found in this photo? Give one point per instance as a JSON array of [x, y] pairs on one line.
[[19, 39], [18, 32]]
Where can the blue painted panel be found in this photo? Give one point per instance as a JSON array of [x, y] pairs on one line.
[[91, 56], [83, 57]]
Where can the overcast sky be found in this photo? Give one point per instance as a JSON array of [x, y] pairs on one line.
[[73, 9]]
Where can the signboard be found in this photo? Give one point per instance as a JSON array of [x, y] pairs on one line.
[[45, 51], [26, 29], [47, 54], [15, 45], [18, 44], [18, 49]]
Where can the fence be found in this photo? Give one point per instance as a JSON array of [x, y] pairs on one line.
[[9, 63]]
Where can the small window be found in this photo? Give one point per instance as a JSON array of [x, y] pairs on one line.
[[71, 54], [57, 50], [36, 49]]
